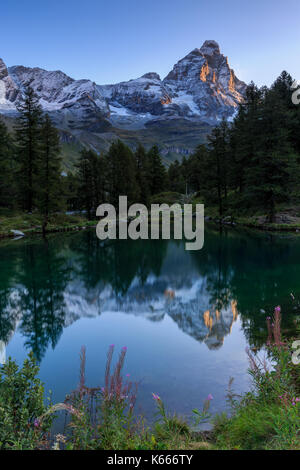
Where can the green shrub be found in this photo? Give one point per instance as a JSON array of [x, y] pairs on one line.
[[268, 417], [21, 405]]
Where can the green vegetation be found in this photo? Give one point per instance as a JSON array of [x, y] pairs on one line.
[[98, 418], [250, 167], [33, 223], [268, 417], [32, 182], [21, 402], [247, 172]]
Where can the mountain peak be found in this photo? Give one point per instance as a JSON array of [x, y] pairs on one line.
[[210, 47], [151, 76], [3, 70], [201, 87]]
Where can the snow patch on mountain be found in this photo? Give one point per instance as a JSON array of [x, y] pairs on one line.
[[4, 103], [184, 99], [119, 110], [201, 87]]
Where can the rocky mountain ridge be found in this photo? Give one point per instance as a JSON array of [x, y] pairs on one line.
[[200, 89]]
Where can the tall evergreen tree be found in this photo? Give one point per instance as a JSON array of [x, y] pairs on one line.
[[158, 174], [176, 178], [48, 188], [142, 174], [219, 163], [71, 191], [268, 176], [27, 135], [186, 175], [243, 136], [197, 169], [7, 193], [91, 180], [121, 173]]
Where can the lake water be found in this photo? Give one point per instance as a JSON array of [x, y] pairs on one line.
[[74, 290]]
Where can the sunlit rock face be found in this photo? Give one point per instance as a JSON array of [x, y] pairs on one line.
[[204, 82], [200, 87]]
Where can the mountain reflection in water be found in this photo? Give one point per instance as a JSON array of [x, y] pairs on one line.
[[45, 286], [185, 316]]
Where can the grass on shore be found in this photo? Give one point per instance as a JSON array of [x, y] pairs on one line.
[[32, 223], [287, 218]]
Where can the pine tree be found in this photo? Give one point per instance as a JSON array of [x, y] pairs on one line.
[[27, 135], [91, 180], [85, 189], [70, 189], [157, 172], [243, 136], [142, 174], [176, 178], [121, 173], [219, 162], [268, 177], [254, 162], [7, 192], [48, 188], [198, 168]]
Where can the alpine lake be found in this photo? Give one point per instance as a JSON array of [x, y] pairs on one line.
[[186, 317]]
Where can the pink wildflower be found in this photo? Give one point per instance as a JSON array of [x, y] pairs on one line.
[[156, 397]]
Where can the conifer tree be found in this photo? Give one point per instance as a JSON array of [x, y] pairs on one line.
[[243, 136], [176, 178], [27, 135], [7, 193], [268, 176], [219, 163], [157, 172], [70, 188], [199, 169], [85, 189], [142, 174], [48, 188], [91, 178], [121, 173]]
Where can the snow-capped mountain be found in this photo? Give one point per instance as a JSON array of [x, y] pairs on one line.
[[73, 103], [201, 88], [203, 85]]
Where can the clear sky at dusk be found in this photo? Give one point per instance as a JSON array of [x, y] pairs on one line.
[[115, 40]]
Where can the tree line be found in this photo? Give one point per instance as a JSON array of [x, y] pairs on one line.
[[252, 163], [30, 163], [249, 164], [31, 177], [137, 174]]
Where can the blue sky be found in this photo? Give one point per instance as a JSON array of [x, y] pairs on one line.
[[114, 40]]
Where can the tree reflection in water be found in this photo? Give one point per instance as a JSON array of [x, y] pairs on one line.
[[47, 285]]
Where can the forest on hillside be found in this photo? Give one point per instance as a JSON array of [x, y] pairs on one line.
[[249, 164]]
